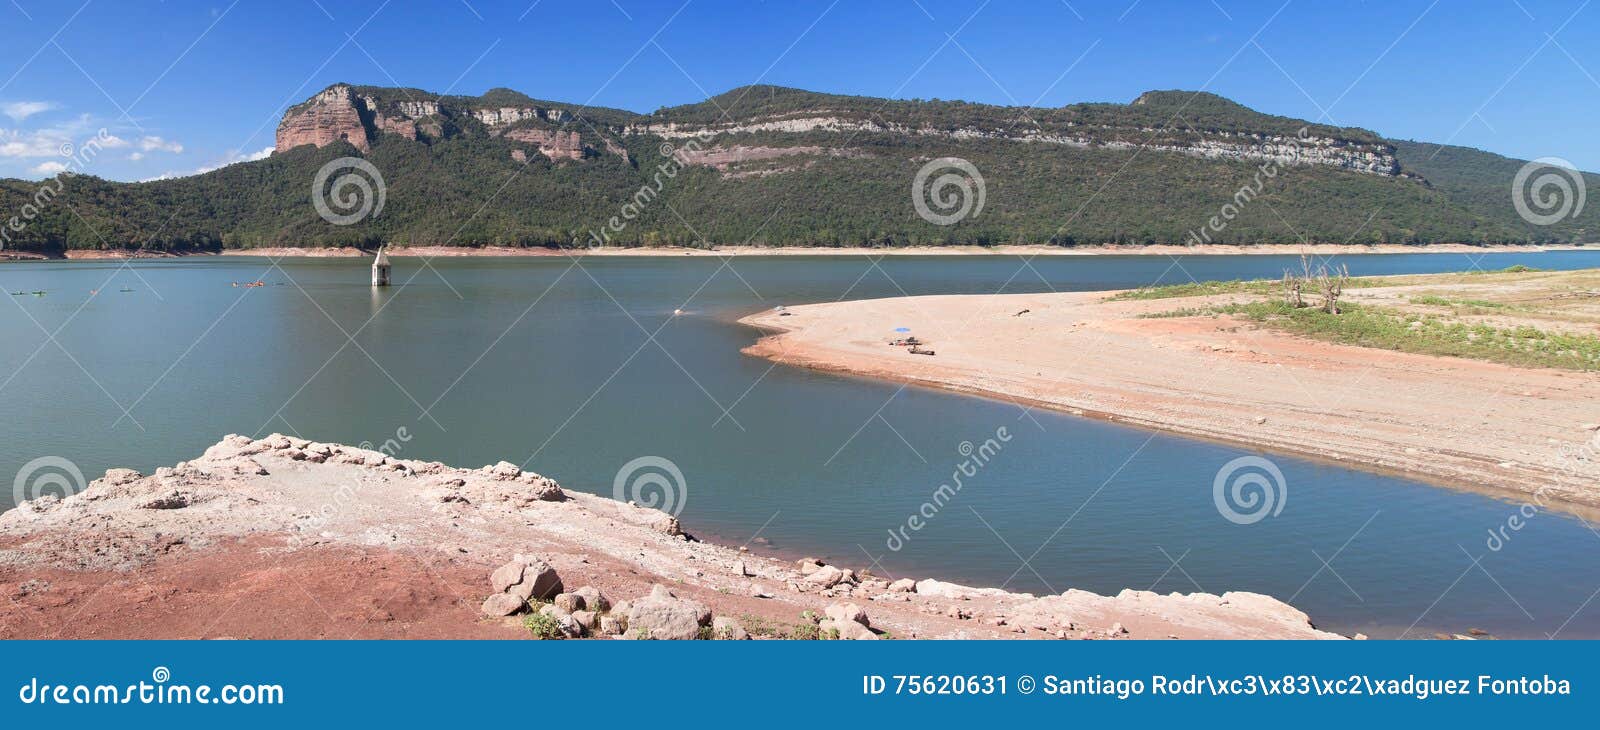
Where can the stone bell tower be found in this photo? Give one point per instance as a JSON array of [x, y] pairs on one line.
[[380, 269]]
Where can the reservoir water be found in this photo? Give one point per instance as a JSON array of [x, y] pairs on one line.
[[576, 370]]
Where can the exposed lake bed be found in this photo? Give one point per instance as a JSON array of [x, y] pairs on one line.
[[583, 369]]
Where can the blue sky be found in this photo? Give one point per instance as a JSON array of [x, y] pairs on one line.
[[186, 86]]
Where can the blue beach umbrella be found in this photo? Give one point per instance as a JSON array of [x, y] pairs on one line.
[[902, 329]]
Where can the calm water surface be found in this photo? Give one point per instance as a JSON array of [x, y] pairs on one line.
[[579, 370]]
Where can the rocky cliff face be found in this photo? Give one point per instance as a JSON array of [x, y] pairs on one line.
[[1378, 159], [340, 113], [554, 144], [328, 117]]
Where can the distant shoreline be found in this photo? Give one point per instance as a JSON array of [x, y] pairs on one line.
[[768, 251]]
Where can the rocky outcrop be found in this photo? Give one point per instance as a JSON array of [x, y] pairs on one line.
[[338, 113], [330, 116], [510, 115], [663, 616], [552, 143], [1372, 158]]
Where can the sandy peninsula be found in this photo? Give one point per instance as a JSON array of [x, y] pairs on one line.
[[1525, 433], [282, 538]]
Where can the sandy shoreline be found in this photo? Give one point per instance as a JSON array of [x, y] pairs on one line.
[[1484, 427], [285, 538], [745, 251]]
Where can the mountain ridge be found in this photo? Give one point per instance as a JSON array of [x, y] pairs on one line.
[[771, 165]]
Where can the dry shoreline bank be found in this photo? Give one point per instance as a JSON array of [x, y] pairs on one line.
[[286, 538], [1483, 427], [743, 251]]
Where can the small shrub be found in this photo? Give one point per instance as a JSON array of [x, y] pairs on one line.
[[543, 627]]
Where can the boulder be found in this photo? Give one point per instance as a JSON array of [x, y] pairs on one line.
[[663, 616], [613, 625], [569, 602], [825, 576], [544, 490], [740, 570], [276, 441], [539, 582], [502, 604], [589, 620], [847, 612], [593, 599], [119, 477], [845, 630], [728, 629], [808, 565], [570, 627], [506, 576], [504, 470], [904, 585]]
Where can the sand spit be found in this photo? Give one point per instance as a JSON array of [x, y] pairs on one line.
[[285, 538], [1507, 431]]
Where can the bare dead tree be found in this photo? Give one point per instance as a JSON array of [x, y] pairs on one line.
[[1292, 286], [1332, 285], [1330, 282]]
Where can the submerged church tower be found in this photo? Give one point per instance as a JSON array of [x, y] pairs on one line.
[[380, 269]]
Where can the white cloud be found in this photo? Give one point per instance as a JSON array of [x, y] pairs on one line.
[[20, 110], [136, 156], [52, 140], [157, 144], [48, 168], [233, 156], [37, 143]]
